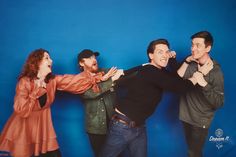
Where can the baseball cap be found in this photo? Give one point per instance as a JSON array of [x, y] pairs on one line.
[[86, 53]]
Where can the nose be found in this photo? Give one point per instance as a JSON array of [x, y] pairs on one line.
[[94, 60], [193, 47], [50, 60], [166, 54]]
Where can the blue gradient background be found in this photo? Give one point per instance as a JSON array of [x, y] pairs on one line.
[[120, 30]]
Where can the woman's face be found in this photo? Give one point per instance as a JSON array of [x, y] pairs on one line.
[[45, 67]]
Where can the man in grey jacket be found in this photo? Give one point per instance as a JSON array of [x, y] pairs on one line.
[[197, 107]]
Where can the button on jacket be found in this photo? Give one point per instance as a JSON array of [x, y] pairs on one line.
[[99, 107]]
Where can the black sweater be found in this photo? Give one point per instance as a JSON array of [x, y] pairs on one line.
[[144, 91]]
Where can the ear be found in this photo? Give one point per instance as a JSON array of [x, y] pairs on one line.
[[150, 56], [81, 63], [208, 48]]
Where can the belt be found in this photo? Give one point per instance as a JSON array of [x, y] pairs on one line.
[[124, 120]]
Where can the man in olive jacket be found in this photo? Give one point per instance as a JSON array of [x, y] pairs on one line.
[[98, 106]]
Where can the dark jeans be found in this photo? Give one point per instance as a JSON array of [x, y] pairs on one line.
[[97, 142], [122, 136], [55, 153], [195, 138]]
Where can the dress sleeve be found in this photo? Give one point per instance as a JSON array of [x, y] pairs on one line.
[[79, 83], [25, 98]]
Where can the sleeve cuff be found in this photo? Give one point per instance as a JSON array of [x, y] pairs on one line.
[[207, 87]]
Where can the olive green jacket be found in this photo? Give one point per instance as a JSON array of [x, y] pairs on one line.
[[99, 108]]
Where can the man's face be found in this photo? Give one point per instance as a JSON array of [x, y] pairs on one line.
[[199, 48], [89, 64], [160, 56]]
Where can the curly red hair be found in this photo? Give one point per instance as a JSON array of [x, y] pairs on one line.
[[31, 66]]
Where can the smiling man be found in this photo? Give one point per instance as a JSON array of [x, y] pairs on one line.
[[143, 94], [197, 107]]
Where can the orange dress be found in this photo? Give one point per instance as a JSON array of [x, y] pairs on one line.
[[29, 131]]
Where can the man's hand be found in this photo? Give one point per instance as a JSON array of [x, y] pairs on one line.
[[171, 54], [200, 79], [109, 74], [117, 75], [193, 80], [190, 59], [206, 68]]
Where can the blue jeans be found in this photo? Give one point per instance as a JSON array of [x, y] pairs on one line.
[[122, 137]]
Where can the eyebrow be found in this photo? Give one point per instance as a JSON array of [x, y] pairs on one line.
[[163, 50], [159, 50], [196, 43]]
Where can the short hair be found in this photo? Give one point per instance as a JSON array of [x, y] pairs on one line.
[[152, 44], [208, 39], [86, 53]]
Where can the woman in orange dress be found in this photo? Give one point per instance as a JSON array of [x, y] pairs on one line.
[[29, 131]]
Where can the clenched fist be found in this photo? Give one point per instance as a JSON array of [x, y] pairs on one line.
[[199, 78], [206, 68]]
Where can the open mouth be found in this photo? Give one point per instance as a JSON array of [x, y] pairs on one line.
[[163, 60]]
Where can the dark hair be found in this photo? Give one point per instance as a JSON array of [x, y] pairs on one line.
[[31, 66], [86, 53], [151, 46], [208, 39]]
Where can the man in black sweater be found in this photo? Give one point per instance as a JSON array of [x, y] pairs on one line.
[[143, 93]]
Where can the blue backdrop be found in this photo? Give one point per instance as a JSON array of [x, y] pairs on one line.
[[120, 30]]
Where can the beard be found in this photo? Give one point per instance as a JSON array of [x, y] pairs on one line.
[[90, 67], [93, 69]]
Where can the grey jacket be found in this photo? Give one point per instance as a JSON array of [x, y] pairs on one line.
[[197, 107]]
